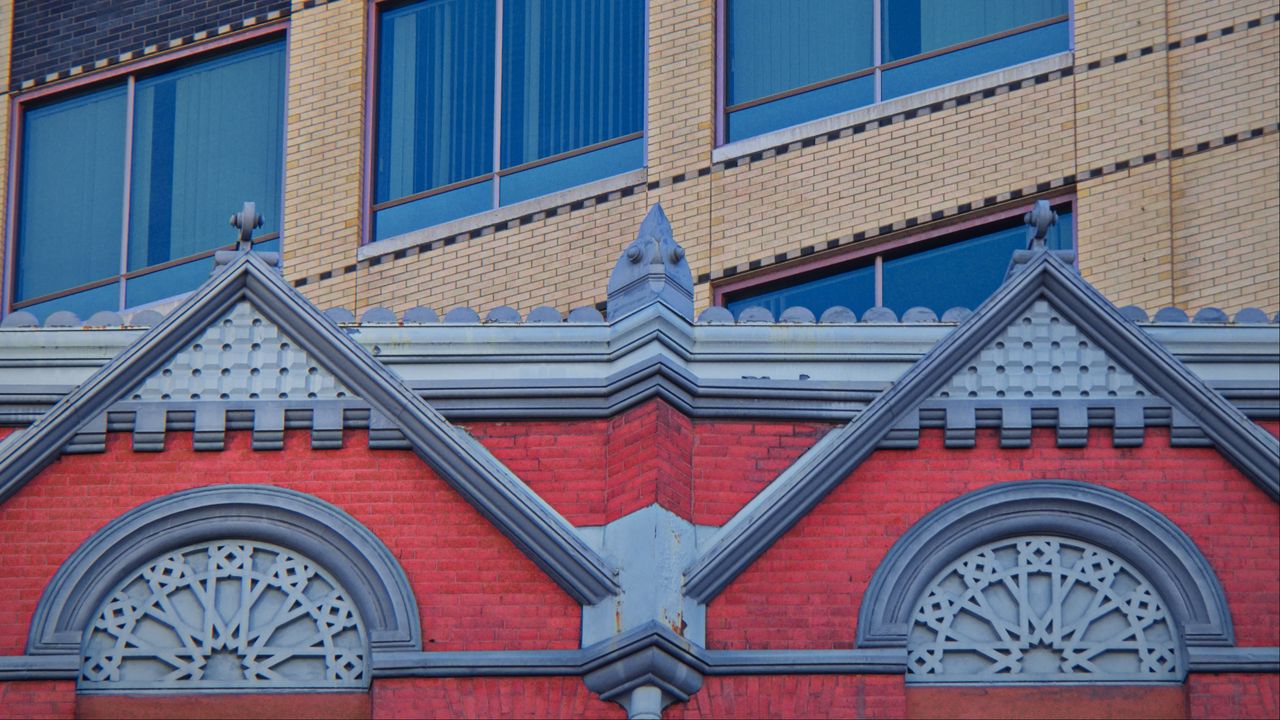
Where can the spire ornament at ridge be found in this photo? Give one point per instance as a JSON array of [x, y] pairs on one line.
[[1038, 220], [652, 269]]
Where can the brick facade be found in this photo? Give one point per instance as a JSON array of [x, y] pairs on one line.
[[1159, 79], [448, 550], [794, 598], [57, 35]]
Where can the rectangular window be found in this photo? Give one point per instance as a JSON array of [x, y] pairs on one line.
[[484, 103], [124, 191], [960, 269], [789, 63]]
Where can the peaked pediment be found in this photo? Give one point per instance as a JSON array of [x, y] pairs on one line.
[[247, 319], [959, 385], [1040, 355], [241, 355]]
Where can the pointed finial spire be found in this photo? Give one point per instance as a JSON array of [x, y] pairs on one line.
[[651, 270]]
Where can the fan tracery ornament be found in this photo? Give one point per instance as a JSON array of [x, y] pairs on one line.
[[231, 614], [1037, 609]]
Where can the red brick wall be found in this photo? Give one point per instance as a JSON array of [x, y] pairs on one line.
[[545, 697], [595, 471], [1234, 695], [1042, 702], [267, 706], [562, 461], [795, 696], [38, 699], [804, 592], [734, 461], [1271, 426], [476, 591]]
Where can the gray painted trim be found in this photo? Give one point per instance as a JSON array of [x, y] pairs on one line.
[[323, 532], [774, 511], [39, 667], [1234, 659], [532, 663], [1154, 545], [537, 529]]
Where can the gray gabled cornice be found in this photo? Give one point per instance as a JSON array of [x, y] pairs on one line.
[[774, 511], [537, 529]]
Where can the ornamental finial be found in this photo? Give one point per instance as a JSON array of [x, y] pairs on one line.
[[246, 221]]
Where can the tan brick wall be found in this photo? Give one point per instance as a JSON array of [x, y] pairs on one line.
[[1122, 112], [563, 262], [681, 85], [1226, 85], [1108, 27], [1225, 208], [323, 159], [1129, 232], [1123, 236], [904, 170], [1189, 17]]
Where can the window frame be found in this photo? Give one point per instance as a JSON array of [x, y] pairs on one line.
[[876, 69], [496, 212], [898, 244], [97, 80]]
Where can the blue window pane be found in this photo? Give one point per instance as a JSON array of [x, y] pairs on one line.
[[433, 210], [164, 284], [198, 156], [911, 27], [576, 170], [71, 199], [435, 96], [961, 274], [976, 60], [854, 289], [801, 108], [572, 75], [779, 46], [83, 304]]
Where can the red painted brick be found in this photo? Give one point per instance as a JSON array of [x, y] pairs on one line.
[[475, 590], [794, 696], [1234, 695], [38, 699], [267, 706], [1101, 702], [540, 697], [595, 471], [1271, 426], [804, 592]]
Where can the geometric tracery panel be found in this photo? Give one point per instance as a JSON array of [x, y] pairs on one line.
[[1041, 609], [232, 614]]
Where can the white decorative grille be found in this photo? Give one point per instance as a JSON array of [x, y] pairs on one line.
[[1037, 609], [230, 614]]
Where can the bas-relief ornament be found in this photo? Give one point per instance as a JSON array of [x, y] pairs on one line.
[[231, 614], [1041, 609], [241, 356], [1039, 356]]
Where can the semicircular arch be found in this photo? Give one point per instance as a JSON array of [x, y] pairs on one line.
[[355, 556]]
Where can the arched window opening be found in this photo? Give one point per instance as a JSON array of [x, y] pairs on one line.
[[1040, 608]]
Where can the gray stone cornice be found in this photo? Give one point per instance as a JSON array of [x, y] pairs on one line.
[[584, 370]]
